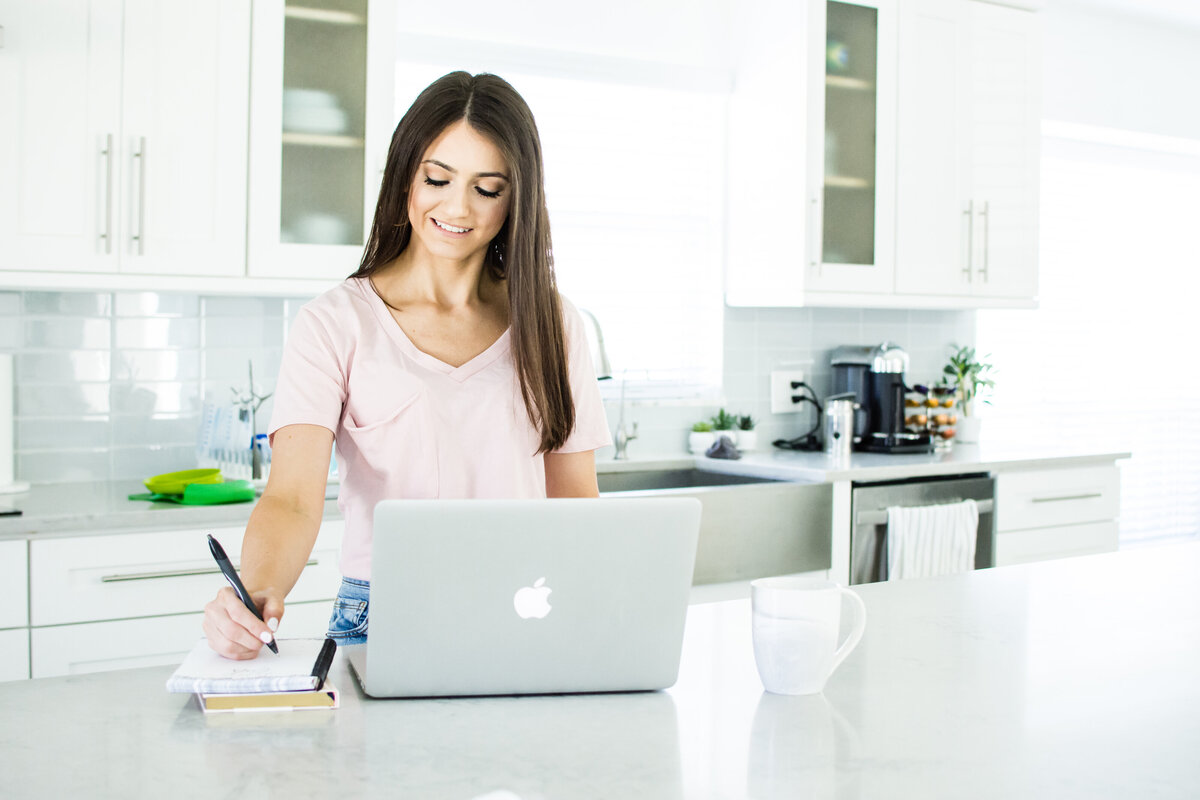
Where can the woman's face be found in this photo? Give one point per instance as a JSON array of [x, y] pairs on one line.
[[459, 198]]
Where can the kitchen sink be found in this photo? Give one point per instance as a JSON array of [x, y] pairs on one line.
[[643, 480], [749, 527]]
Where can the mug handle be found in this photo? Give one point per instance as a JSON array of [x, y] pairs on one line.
[[860, 611]]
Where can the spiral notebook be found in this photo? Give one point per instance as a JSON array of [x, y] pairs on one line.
[[301, 665]]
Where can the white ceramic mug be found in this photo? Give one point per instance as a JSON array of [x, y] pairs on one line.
[[796, 623]]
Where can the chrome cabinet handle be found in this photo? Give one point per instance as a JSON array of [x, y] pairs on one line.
[[1089, 496], [177, 573], [986, 225], [107, 152], [140, 236], [969, 213]]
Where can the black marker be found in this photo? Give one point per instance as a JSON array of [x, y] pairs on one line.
[[231, 575]]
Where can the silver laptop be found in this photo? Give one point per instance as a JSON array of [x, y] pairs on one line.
[[496, 597]]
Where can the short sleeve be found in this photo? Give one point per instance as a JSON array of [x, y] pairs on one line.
[[312, 386], [591, 425]]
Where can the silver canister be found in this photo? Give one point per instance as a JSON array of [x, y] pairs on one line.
[[838, 423]]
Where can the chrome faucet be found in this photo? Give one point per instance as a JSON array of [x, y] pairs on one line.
[[623, 436]]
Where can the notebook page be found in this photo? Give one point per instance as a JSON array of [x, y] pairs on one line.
[[206, 671]]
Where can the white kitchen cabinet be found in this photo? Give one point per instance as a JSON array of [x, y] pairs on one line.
[[811, 151], [1054, 513], [154, 641], [121, 576], [14, 654], [322, 113], [14, 585], [968, 142], [124, 143]]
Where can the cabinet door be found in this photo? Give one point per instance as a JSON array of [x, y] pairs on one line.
[[858, 167], [932, 181], [60, 84], [1004, 146], [14, 585], [323, 109], [184, 141], [775, 130], [14, 655]]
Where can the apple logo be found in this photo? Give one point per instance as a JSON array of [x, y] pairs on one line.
[[530, 601]]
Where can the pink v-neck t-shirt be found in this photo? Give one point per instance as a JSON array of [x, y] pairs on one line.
[[407, 425]]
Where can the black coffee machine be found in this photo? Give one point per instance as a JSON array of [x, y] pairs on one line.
[[876, 376]]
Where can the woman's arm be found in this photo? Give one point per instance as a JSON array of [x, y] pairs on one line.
[[571, 474], [279, 539]]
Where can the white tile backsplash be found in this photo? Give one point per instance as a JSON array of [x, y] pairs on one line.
[[110, 385]]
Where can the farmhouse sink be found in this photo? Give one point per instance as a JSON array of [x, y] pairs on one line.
[[749, 527]]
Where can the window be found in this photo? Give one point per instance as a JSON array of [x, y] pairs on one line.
[[635, 188], [1108, 359]]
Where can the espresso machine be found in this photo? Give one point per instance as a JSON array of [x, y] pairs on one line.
[[876, 377]]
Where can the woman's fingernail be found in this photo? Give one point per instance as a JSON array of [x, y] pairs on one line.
[[266, 637], [273, 624]]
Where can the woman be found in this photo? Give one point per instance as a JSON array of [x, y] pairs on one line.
[[446, 366]]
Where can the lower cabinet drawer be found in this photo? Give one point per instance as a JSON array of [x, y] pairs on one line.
[[1046, 498], [14, 654], [156, 641], [120, 576], [1042, 544]]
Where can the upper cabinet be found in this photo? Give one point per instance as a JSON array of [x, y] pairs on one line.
[[323, 105], [124, 143], [884, 154], [967, 178]]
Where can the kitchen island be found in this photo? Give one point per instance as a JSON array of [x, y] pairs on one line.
[[1074, 678]]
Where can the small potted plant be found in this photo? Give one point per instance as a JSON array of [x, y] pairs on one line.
[[747, 437], [701, 438], [725, 424], [971, 378]]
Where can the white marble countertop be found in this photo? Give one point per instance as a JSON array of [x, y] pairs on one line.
[[793, 465], [73, 509], [1064, 679]]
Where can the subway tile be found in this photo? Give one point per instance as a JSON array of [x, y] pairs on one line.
[[157, 365], [837, 316], [73, 304], [12, 333], [165, 397], [62, 399], [231, 367], [221, 306], [63, 466], [251, 331], [139, 463], [292, 306], [153, 333], [782, 336], [72, 365], [886, 316], [68, 333], [63, 434], [156, 304], [158, 430], [10, 303]]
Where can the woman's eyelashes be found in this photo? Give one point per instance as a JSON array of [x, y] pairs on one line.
[[482, 192]]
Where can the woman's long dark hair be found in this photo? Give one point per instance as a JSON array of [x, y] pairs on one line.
[[520, 253]]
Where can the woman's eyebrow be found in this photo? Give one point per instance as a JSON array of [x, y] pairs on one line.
[[451, 169]]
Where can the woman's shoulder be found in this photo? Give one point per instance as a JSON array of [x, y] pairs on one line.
[[336, 303]]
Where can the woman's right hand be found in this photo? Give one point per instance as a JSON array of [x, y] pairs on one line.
[[233, 631]]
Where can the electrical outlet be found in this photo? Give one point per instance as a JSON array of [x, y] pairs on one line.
[[782, 391]]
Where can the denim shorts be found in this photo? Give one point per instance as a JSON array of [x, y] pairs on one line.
[[348, 623]]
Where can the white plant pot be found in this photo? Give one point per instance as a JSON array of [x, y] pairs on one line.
[[967, 430], [699, 442], [731, 435], [747, 440]]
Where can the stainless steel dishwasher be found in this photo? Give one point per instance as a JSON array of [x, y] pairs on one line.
[[870, 501]]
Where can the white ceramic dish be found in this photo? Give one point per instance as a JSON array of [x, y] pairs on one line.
[[314, 119]]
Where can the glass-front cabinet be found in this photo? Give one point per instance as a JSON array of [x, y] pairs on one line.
[[322, 110], [812, 154]]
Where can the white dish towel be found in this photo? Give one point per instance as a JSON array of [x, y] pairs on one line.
[[925, 541]]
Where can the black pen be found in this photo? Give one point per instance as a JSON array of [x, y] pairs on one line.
[[231, 575]]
